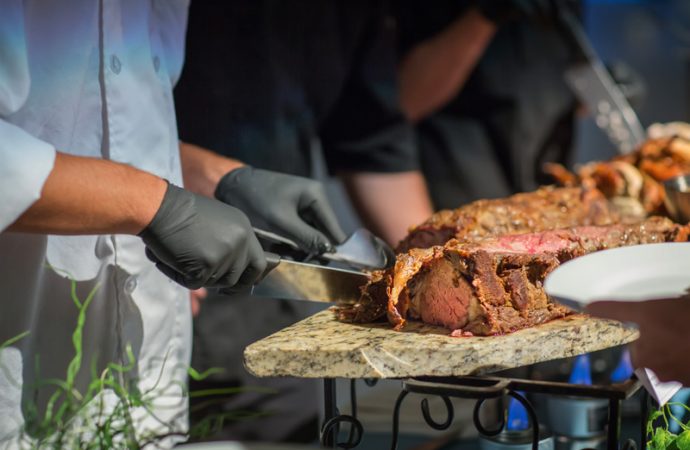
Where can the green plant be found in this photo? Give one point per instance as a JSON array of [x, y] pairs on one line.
[[660, 438], [74, 419]]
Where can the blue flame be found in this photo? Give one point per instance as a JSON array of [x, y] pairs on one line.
[[517, 416], [624, 369], [582, 372]]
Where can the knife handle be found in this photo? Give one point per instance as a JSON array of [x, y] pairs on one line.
[[272, 261]]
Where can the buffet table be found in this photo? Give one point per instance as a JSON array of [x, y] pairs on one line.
[[430, 361]]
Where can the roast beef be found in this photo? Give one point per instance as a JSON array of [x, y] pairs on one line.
[[548, 208], [491, 285]]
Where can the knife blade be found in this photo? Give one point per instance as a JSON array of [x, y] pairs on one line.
[[362, 250], [593, 85], [293, 280]]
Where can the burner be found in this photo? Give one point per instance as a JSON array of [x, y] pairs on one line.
[[576, 422], [516, 440]]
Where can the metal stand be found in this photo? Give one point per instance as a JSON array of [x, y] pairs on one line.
[[333, 419], [481, 389]]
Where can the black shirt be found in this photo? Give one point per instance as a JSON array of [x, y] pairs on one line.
[[514, 113], [263, 77]]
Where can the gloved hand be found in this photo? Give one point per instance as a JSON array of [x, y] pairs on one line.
[[197, 241], [291, 206], [504, 11]]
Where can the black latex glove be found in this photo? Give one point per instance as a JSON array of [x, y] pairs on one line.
[[293, 207], [504, 11], [198, 241]]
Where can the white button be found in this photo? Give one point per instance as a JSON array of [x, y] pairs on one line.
[[115, 64], [130, 284], [156, 63]]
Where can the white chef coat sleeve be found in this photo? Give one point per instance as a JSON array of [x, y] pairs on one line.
[[25, 161]]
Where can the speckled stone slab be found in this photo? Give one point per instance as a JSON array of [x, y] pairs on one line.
[[322, 347]]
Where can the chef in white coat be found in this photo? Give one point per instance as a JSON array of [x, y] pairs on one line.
[[90, 169]]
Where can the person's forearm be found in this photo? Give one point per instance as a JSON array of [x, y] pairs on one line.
[[202, 169], [92, 196], [389, 203], [435, 70]]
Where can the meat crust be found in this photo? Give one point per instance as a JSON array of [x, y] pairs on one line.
[[493, 285], [548, 208]]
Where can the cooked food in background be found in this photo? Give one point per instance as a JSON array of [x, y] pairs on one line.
[[479, 269], [669, 130], [632, 182], [494, 284]]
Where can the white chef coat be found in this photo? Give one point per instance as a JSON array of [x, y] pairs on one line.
[[92, 78]]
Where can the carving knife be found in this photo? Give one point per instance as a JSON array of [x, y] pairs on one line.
[[286, 279], [593, 85]]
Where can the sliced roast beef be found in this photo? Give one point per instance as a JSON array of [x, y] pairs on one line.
[[548, 208], [494, 284]]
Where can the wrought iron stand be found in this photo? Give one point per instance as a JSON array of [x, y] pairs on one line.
[[481, 389]]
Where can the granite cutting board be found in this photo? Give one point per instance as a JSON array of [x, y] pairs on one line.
[[322, 347]]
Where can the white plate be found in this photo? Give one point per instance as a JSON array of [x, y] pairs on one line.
[[640, 272]]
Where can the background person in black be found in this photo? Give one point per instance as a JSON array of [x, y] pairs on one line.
[[287, 86], [483, 80], [264, 79]]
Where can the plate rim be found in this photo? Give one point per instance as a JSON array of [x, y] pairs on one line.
[[578, 303]]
